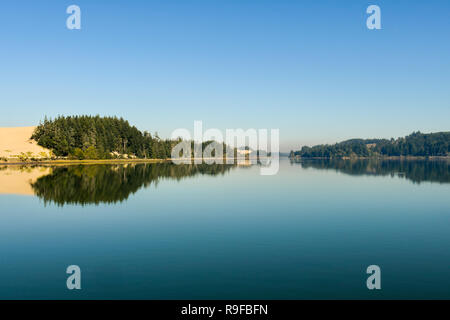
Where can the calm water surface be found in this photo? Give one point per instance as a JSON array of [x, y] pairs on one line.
[[162, 231]]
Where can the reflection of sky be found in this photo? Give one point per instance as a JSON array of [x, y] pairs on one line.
[[302, 233], [309, 68]]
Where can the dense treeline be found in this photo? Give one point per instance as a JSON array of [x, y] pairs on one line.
[[417, 144], [95, 137]]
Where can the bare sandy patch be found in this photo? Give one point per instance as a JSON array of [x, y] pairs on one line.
[[17, 140]]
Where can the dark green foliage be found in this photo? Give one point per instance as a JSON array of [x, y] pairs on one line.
[[89, 137], [415, 170], [417, 144], [95, 184]]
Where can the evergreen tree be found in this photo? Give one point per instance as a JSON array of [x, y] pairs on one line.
[[95, 137]]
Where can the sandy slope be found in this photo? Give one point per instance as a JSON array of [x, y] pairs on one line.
[[13, 141]]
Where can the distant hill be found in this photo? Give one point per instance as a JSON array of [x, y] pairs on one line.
[[416, 144]]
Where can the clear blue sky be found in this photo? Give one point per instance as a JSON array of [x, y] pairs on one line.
[[310, 68]]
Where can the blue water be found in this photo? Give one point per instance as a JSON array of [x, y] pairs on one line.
[[307, 232]]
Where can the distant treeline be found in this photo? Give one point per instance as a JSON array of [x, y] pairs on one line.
[[416, 144]]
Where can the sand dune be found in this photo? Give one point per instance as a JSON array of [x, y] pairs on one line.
[[14, 141]]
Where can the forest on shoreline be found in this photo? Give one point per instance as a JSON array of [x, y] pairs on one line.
[[416, 144], [95, 137], [101, 138]]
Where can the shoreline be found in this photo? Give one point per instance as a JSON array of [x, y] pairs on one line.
[[16, 162], [375, 158], [92, 161]]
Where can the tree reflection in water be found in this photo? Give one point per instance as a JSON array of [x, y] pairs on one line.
[[95, 184], [415, 170]]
